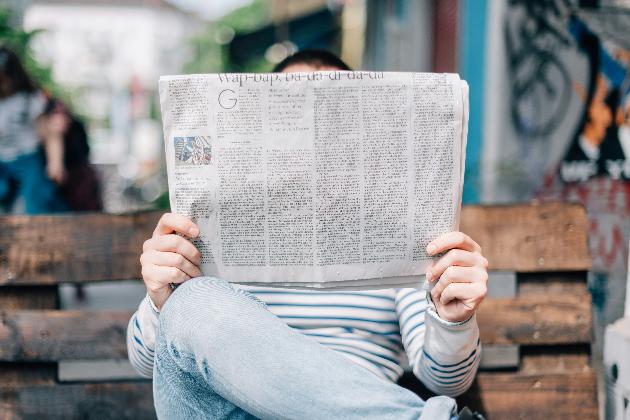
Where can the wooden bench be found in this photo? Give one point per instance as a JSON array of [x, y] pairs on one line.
[[535, 326]]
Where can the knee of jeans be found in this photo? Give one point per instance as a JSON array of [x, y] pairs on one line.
[[189, 294], [198, 305]]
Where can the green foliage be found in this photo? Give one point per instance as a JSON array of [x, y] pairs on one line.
[[209, 55], [248, 18], [162, 202], [20, 42]]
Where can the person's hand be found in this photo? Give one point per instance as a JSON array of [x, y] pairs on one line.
[[57, 123], [52, 129], [460, 275], [56, 171], [169, 258]]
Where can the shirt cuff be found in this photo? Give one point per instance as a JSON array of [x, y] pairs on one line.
[[454, 326], [433, 312], [147, 322], [152, 305], [449, 342]]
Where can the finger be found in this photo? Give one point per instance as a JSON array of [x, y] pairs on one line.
[[157, 277], [466, 292], [177, 244], [455, 274], [457, 257], [176, 223], [170, 259], [452, 240]]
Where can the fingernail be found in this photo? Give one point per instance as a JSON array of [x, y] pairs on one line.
[[193, 231], [430, 249], [429, 276]]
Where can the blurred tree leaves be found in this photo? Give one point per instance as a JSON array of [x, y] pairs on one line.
[[20, 42], [210, 47], [248, 18]]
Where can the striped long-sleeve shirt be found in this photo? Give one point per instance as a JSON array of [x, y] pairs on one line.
[[381, 330]]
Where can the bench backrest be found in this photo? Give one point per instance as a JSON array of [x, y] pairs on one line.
[[535, 325]]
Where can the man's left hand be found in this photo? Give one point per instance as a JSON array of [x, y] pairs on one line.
[[461, 275]]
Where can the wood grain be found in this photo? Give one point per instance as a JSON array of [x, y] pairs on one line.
[[102, 401], [72, 248], [532, 319], [556, 359], [534, 396], [96, 247], [29, 297], [530, 238], [553, 313], [518, 395], [63, 335], [496, 395], [536, 319]]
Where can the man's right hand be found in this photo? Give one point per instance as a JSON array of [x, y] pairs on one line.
[[169, 258]]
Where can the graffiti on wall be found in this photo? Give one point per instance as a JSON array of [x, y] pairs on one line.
[[600, 145], [540, 82], [569, 81]]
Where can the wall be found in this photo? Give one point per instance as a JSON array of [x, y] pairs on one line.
[[398, 35], [557, 115]]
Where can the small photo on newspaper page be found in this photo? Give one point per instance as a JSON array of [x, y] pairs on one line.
[[193, 150], [318, 180]]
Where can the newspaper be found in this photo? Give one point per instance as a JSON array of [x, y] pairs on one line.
[[316, 180]]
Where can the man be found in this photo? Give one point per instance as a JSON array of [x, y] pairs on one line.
[[217, 350]]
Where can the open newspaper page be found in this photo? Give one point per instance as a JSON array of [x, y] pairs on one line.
[[316, 180]]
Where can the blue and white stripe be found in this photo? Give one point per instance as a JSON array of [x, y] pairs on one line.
[[381, 330], [141, 338]]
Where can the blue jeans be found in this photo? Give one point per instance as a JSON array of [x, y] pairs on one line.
[[26, 177], [221, 354]]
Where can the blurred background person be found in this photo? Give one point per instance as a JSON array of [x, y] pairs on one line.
[[23, 125], [79, 184]]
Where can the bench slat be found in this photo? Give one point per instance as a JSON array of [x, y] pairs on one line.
[[497, 395], [530, 238], [28, 297], [98, 247], [540, 396], [119, 400], [545, 360], [537, 319], [63, 335], [72, 248]]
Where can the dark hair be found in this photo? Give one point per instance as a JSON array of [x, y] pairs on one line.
[[312, 57], [13, 70]]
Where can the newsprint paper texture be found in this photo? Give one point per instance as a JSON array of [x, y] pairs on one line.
[[316, 180]]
